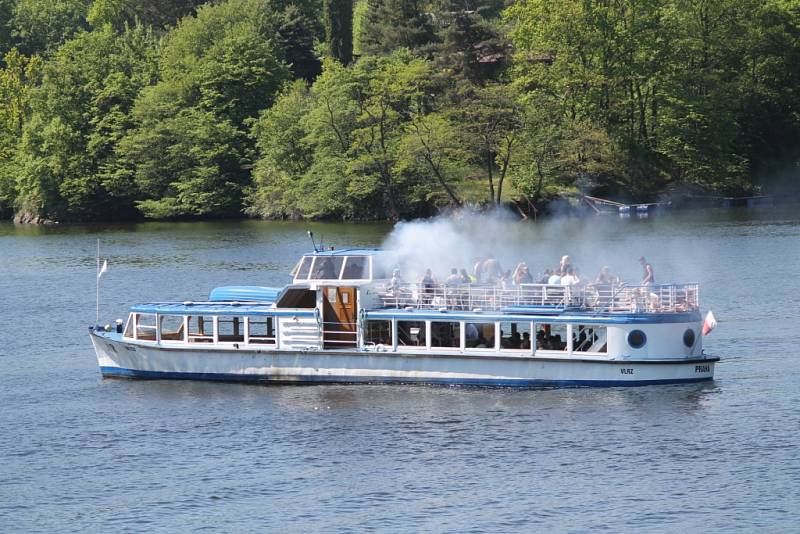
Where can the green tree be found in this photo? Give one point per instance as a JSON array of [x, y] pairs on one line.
[[393, 24], [43, 25], [339, 29], [79, 114]]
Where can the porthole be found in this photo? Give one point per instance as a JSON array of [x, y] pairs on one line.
[[688, 338], [637, 339]]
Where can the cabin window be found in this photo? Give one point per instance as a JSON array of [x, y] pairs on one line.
[[589, 338], [411, 333], [479, 335], [689, 338], [146, 326], [301, 270], [515, 335], [171, 327], [355, 268], [201, 328], [230, 329], [379, 269], [261, 330], [551, 337], [379, 332], [446, 335], [298, 298], [326, 268], [129, 327]]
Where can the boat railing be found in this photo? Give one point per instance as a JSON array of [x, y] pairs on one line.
[[652, 298]]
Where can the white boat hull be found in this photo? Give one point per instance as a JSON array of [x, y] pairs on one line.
[[131, 360]]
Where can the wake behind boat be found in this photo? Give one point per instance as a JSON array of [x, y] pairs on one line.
[[344, 319]]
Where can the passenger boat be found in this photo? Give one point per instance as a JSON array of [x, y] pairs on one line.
[[343, 320]]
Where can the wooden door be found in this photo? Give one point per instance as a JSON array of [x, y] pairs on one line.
[[339, 317]]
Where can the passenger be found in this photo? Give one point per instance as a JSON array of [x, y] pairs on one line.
[[466, 278], [541, 340], [526, 341], [471, 335], [492, 270], [522, 275], [506, 280], [478, 270], [326, 270], [605, 277], [395, 282], [454, 279], [569, 278], [562, 266], [554, 280], [544, 277], [516, 341], [648, 277], [428, 284]]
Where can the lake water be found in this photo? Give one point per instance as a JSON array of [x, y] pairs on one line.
[[80, 453]]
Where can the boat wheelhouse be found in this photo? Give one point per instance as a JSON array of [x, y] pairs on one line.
[[343, 320]]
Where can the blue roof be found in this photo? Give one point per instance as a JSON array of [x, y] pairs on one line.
[[245, 294], [347, 252], [214, 308]]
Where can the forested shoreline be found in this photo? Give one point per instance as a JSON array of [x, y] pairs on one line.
[[389, 109]]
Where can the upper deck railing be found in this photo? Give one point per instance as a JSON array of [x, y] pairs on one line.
[[662, 298]]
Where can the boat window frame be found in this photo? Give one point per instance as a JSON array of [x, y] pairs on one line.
[[129, 332], [367, 268], [568, 347], [298, 268], [232, 321], [272, 324], [183, 326], [594, 327], [137, 327], [326, 257], [531, 325], [392, 331], [197, 339], [444, 320], [496, 337], [411, 348]]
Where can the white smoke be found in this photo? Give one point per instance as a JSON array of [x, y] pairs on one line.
[[459, 239]]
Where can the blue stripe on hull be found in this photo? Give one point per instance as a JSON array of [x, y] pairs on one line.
[[119, 372]]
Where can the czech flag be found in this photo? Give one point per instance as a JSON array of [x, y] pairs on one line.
[[710, 323]]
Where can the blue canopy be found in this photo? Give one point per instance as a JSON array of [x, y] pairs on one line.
[[244, 294]]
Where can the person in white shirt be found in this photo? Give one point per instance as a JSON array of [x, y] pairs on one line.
[[569, 279]]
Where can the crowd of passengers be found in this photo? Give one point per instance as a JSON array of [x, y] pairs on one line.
[[488, 272]]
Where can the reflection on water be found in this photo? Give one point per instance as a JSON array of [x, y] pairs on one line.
[[82, 453]]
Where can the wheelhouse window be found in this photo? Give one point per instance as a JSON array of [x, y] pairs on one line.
[[479, 335], [261, 330], [551, 337], [200, 328], [146, 326], [411, 333], [355, 268], [446, 334], [303, 267], [516, 335], [378, 333], [589, 338], [230, 329], [171, 327], [327, 268]]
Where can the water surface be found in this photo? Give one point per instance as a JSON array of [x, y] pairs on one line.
[[80, 453]]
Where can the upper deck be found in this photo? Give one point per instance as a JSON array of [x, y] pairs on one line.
[[543, 298]]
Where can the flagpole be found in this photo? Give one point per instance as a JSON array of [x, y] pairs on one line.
[[97, 282]]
